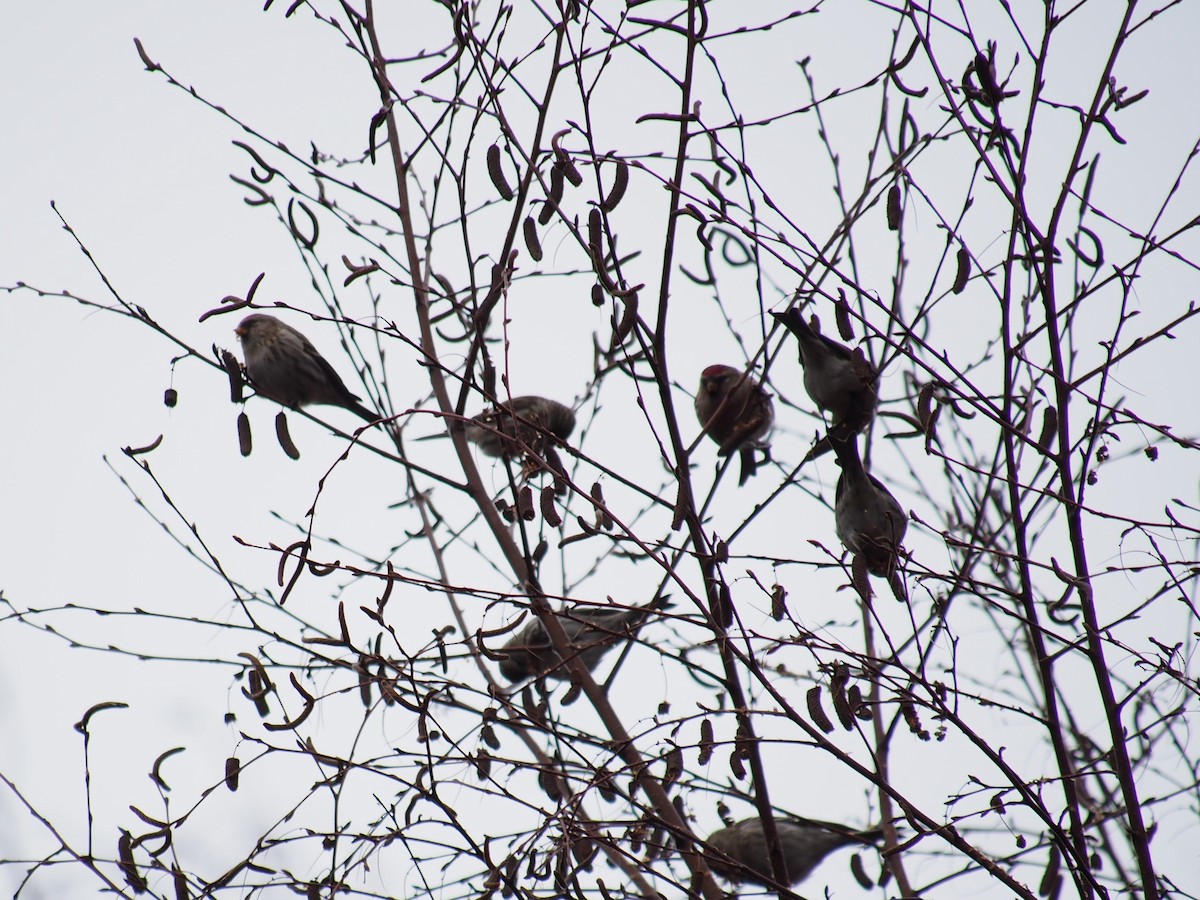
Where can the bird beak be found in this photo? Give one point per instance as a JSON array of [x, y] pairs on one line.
[[240, 331]]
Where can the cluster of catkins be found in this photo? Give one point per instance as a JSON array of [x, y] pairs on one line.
[[282, 365]]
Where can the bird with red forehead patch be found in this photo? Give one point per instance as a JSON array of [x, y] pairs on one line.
[[736, 413]]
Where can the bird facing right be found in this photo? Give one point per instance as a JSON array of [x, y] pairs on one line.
[[743, 855], [592, 631], [869, 520], [284, 366], [529, 421]]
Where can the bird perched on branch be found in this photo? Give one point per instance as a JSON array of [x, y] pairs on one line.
[[736, 413], [869, 520], [284, 366], [523, 422], [592, 631], [841, 381], [739, 852]]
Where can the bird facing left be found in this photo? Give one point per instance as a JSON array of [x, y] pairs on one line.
[[283, 365]]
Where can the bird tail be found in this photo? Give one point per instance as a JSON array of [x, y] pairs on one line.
[[362, 412], [793, 321], [749, 464]]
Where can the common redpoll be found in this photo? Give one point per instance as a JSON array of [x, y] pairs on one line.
[[840, 381], [743, 851], [592, 631], [869, 520], [532, 423], [284, 366], [736, 413]]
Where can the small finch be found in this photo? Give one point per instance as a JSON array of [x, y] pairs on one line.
[[592, 631], [869, 520], [283, 366], [841, 381], [524, 422], [736, 413], [743, 853]]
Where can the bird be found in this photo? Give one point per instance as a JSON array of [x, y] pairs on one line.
[[736, 413], [868, 519], [592, 631], [841, 381], [521, 424], [741, 848], [284, 366]]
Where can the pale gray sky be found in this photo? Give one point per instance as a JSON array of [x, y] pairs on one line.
[[140, 171]]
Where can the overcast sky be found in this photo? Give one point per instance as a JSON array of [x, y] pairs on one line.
[[140, 171]]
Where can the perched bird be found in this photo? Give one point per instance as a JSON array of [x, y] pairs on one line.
[[736, 413], [869, 521], [841, 381], [592, 630], [743, 853], [283, 366], [529, 421]]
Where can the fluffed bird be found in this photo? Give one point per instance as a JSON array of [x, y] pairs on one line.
[[284, 366], [736, 413], [841, 381], [592, 631], [529, 421], [743, 855], [869, 520]]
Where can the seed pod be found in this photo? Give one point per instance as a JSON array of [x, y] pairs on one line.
[[706, 742], [496, 171], [556, 192], [126, 864], [531, 239], [736, 766], [617, 191], [603, 519], [549, 513], [1052, 877], [854, 697], [243, 426], [893, 208], [925, 404], [1049, 427], [525, 503], [596, 237], [548, 782], [841, 311], [674, 760], [778, 602], [285, 438], [170, 398], [964, 271], [681, 507], [237, 381], [597, 295], [859, 873], [568, 167], [816, 711], [233, 768], [837, 691]]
